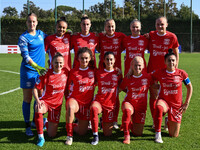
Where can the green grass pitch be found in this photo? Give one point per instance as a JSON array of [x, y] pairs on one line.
[[12, 133]]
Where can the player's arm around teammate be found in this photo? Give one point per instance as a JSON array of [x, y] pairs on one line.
[[54, 83], [31, 44], [159, 42], [170, 96], [134, 105], [82, 81], [106, 99]]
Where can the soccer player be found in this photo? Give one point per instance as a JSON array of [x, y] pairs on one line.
[[82, 82], [159, 42], [111, 41], [170, 97], [84, 39], [135, 103], [53, 85], [107, 97], [31, 44], [135, 44], [59, 42]]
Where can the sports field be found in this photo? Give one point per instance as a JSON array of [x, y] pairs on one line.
[[12, 133]]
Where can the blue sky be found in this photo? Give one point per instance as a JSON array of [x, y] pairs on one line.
[[48, 4]]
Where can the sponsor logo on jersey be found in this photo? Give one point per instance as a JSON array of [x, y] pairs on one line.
[[166, 41], [141, 42], [176, 78], [115, 41]]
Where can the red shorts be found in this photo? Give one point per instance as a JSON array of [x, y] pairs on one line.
[[84, 112], [173, 112], [108, 115], [139, 115], [53, 114]]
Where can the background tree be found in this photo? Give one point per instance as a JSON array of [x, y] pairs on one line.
[[10, 12]]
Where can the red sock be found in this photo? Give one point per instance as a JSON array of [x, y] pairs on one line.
[[116, 112], [94, 118], [39, 122], [152, 103], [69, 129], [126, 118], [158, 118]]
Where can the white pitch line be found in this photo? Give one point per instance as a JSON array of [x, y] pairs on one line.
[[12, 89]]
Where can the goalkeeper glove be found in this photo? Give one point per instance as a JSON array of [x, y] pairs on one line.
[[41, 71]]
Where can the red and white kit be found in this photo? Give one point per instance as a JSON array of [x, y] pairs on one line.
[[54, 44], [54, 85], [158, 47], [135, 46], [113, 44], [137, 90], [82, 90], [171, 90], [79, 40], [107, 96]]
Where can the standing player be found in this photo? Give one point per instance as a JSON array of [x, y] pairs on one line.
[[59, 42], [111, 41], [159, 42], [84, 39], [135, 103], [53, 85], [135, 44], [82, 82], [31, 44], [170, 97], [107, 97]]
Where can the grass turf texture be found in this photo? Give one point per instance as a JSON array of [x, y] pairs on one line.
[[12, 132]]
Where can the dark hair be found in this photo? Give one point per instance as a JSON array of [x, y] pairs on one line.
[[61, 19], [170, 52], [31, 14], [57, 55], [86, 50], [84, 17], [106, 54]]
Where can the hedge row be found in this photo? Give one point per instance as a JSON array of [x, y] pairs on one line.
[[13, 28]]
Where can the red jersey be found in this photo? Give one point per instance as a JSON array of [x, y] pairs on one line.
[[113, 44], [82, 85], [137, 90], [158, 47], [78, 41], [54, 44], [108, 83], [54, 86], [135, 46], [171, 85]]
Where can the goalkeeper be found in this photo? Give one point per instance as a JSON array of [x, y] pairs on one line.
[[31, 44]]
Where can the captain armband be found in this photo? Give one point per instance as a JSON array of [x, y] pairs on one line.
[[186, 81]]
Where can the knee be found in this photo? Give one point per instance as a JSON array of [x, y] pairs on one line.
[[82, 132], [174, 135]]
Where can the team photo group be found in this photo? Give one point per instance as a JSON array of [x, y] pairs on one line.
[[73, 84]]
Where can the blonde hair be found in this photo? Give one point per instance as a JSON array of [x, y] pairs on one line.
[[135, 20], [135, 59]]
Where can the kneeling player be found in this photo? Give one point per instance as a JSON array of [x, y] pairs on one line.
[[54, 85], [135, 103], [106, 98], [170, 96]]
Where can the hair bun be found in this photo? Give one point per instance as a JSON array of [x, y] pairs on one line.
[[170, 51]]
